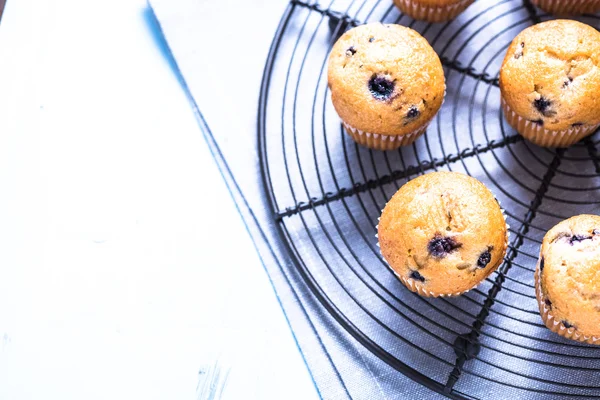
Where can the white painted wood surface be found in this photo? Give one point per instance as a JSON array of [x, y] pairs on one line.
[[124, 267]]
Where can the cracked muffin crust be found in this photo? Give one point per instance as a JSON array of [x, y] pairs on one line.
[[432, 10], [442, 233], [549, 82], [386, 84], [568, 7], [568, 279]]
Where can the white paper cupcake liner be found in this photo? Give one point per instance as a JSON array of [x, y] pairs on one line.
[[551, 322], [566, 7], [387, 142], [416, 10], [419, 288], [383, 142], [544, 137]]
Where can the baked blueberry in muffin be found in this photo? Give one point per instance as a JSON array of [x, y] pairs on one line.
[[550, 80], [386, 84], [442, 233], [568, 279]]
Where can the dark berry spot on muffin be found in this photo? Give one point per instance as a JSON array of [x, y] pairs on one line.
[[413, 112], [571, 239], [567, 82], [548, 302], [371, 39], [360, 66], [542, 264], [567, 324], [543, 105], [351, 51], [416, 276], [578, 238], [485, 257], [576, 124], [440, 246], [539, 122], [519, 51], [381, 87]]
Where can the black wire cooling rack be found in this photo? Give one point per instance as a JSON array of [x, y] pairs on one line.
[[327, 193]]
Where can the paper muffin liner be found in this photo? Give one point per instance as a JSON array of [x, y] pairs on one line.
[[416, 10], [544, 137], [566, 7], [387, 142], [383, 142], [419, 287], [551, 322]]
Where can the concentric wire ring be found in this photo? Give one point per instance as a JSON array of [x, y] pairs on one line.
[[327, 193]]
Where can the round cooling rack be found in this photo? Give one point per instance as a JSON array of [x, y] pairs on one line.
[[327, 192]]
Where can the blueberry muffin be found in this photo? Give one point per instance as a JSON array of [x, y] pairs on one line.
[[567, 279], [432, 10], [568, 7], [550, 80], [442, 233], [386, 84]]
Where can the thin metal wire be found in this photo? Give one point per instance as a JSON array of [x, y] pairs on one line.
[[329, 258], [370, 153], [394, 176]]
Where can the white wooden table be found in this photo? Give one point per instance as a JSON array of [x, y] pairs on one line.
[[124, 267]]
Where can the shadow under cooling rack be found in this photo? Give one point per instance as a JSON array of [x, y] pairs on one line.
[[327, 193]]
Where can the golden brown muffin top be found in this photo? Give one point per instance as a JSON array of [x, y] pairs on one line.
[[385, 79], [444, 229], [551, 74], [570, 273]]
